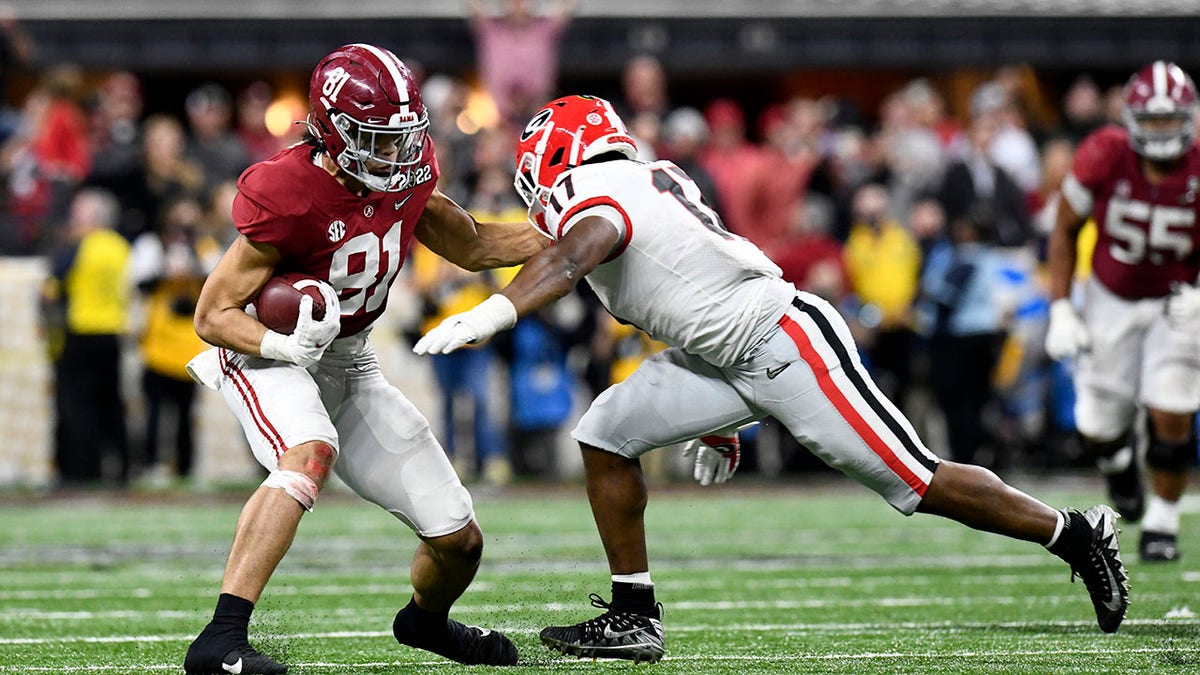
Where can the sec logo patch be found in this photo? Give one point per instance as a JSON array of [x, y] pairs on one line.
[[337, 230]]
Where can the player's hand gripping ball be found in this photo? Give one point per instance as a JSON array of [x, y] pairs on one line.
[[278, 303]]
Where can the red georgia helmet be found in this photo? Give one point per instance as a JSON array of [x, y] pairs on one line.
[[561, 136], [366, 110], [1160, 91]]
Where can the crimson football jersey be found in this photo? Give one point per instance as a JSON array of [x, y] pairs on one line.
[[1147, 234], [323, 229]]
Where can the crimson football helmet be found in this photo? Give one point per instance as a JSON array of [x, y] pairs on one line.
[[367, 112], [562, 135], [1160, 111]]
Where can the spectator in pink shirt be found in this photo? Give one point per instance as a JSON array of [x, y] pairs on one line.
[[517, 53]]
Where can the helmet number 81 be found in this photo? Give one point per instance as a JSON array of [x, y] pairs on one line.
[[334, 81]]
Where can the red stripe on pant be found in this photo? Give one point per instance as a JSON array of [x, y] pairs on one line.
[[250, 399], [846, 408]]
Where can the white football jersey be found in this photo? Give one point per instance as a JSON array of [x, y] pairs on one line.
[[676, 273]]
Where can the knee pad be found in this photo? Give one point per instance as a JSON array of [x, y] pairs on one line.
[[1173, 457], [1100, 450], [298, 486]]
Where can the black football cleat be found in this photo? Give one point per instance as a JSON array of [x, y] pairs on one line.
[[469, 645], [1158, 547], [1095, 557], [210, 657], [612, 635]]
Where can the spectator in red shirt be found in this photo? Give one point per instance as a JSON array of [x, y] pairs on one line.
[[517, 53], [809, 244], [732, 161], [782, 178], [46, 158]]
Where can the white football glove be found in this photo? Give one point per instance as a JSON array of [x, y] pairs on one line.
[[307, 343], [717, 457], [1183, 306], [474, 325], [1067, 335]]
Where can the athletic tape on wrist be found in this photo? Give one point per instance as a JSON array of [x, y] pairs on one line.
[[273, 346]]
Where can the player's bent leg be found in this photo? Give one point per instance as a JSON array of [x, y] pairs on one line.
[[977, 498], [442, 569], [1106, 410], [265, 531], [1087, 541], [631, 626], [1122, 472], [617, 493], [1170, 454]]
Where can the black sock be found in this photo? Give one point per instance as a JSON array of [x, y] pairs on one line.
[[232, 617], [1075, 538], [636, 598], [419, 624]]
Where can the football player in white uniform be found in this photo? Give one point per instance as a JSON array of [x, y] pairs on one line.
[[744, 345]]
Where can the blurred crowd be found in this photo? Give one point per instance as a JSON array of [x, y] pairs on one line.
[[925, 225]]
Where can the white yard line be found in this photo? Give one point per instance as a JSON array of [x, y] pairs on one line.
[[284, 586], [704, 658], [26, 614], [812, 628]]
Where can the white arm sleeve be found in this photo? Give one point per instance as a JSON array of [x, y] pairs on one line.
[[1078, 197]]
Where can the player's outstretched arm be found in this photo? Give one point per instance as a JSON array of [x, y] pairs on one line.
[[221, 319], [547, 277], [449, 231]]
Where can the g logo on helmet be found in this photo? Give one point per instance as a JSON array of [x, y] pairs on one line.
[[539, 120]]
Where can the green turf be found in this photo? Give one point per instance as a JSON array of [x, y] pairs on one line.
[[755, 579]]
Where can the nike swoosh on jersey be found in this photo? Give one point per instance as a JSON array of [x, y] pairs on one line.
[[397, 204], [235, 667], [772, 373]]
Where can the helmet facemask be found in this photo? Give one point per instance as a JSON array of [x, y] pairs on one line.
[[378, 155], [1161, 137]]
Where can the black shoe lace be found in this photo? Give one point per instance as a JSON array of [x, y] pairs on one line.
[[599, 603]]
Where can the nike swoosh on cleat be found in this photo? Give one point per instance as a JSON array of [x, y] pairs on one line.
[[235, 667], [1114, 602], [611, 634]]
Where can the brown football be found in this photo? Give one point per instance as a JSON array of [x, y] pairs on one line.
[[278, 303]]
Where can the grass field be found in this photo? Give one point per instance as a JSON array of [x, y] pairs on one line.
[[755, 579]]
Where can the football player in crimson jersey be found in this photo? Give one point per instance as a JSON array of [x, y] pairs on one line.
[[1136, 343], [744, 344], [343, 206]]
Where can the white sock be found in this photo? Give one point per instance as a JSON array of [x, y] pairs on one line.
[[1161, 516], [1058, 528], [639, 578]]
